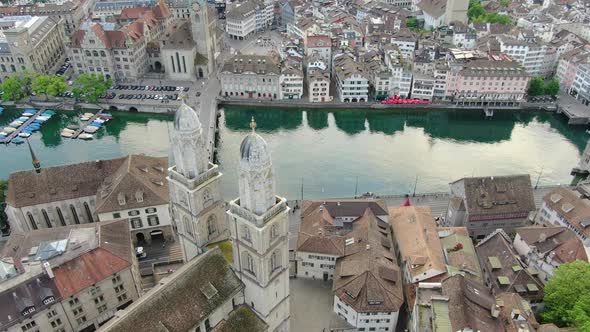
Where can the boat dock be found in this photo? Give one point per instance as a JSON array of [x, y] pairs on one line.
[[14, 134], [84, 125], [577, 113]]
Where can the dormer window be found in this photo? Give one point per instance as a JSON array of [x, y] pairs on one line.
[[139, 196], [121, 199]]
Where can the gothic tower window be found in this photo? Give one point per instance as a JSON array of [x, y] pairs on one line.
[[274, 261], [211, 225], [207, 199], [46, 217], [249, 264], [274, 232], [187, 225], [32, 220], [74, 214], [246, 234]]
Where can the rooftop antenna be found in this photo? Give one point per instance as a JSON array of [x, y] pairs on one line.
[[36, 163]]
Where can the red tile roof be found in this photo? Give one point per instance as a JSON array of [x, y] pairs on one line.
[[86, 270], [133, 13]]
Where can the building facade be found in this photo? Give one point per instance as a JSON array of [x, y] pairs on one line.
[[567, 208], [319, 87], [291, 83], [352, 84], [195, 195], [250, 76], [259, 231]]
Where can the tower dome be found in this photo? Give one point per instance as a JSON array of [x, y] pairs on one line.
[[257, 187], [186, 118]]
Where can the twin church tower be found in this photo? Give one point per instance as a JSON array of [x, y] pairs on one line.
[[256, 220]]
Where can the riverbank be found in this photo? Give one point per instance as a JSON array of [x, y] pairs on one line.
[[302, 104]]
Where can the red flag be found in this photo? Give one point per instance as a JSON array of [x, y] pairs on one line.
[[407, 203]]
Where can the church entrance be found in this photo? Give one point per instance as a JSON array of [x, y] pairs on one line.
[[200, 72], [157, 66]]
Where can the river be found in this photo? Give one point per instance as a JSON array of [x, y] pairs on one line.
[[330, 152]]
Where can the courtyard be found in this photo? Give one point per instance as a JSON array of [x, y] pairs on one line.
[[311, 305]]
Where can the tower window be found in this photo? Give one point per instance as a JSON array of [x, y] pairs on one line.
[[274, 262], [88, 212], [249, 264], [74, 214], [211, 225], [46, 217], [32, 220], [246, 234], [61, 216]]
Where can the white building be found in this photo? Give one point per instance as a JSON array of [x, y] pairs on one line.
[[423, 87], [351, 82], [405, 41], [401, 73], [531, 55], [565, 207], [195, 195], [241, 20], [291, 83], [250, 76], [546, 248], [321, 45], [259, 230], [581, 86]]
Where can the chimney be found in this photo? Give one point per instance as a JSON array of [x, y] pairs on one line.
[[47, 267], [495, 310]]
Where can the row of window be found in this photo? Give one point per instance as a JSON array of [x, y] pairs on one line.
[[137, 222], [60, 216]]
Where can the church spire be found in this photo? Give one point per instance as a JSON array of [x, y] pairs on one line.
[[253, 124], [36, 163]]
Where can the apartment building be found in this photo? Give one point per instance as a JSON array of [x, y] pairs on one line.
[[485, 204], [567, 208], [487, 82], [367, 282], [250, 76], [325, 226], [291, 83], [321, 45], [581, 86], [530, 54], [352, 82], [244, 19], [72, 12], [568, 65], [406, 42], [32, 43], [401, 73], [417, 244], [546, 248], [423, 87], [68, 279], [318, 83], [131, 187]]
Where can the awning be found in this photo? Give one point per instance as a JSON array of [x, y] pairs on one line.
[[156, 233]]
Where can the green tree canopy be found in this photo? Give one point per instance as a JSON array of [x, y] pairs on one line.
[[13, 88], [89, 86], [49, 85], [478, 14], [505, 3], [412, 23], [552, 87], [567, 296], [536, 87]]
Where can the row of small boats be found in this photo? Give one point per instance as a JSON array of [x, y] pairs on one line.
[[90, 128], [29, 126]]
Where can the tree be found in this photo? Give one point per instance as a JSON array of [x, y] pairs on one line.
[[13, 88], [536, 87], [505, 3], [40, 84], [567, 296], [475, 10], [412, 23], [552, 87], [89, 86]]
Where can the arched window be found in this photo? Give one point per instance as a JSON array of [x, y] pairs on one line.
[[246, 234], [211, 225], [249, 264], [46, 217], [88, 213], [207, 199], [32, 220], [274, 261], [3, 67], [13, 68], [74, 214], [102, 53], [88, 53], [274, 232], [61, 216], [187, 226], [95, 53]]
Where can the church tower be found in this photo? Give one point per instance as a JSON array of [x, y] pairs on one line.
[[259, 229], [204, 26], [196, 205]]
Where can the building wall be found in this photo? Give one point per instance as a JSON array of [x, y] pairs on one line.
[[242, 27], [315, 266], [160, 211], [479, 229], [375, 321], [179, 63], [100, 302], [319, 91], [19, 219], [291, 86], [250, 85], [549, 216], [353, 89], [49, 319]]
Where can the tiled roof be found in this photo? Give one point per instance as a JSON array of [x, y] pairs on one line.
[[368, 278], [418, 241], [257, 64], [568, 204], [506, 271], [178, 303], [242, 319], [564, 243], [459, 253], [434, 8], [497, 195], [86, 270]]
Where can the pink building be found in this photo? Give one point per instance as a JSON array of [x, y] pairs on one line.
[[487, 82], [568, 66]]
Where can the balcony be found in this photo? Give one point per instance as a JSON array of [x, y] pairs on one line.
[[259, 220], [212, 172]]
